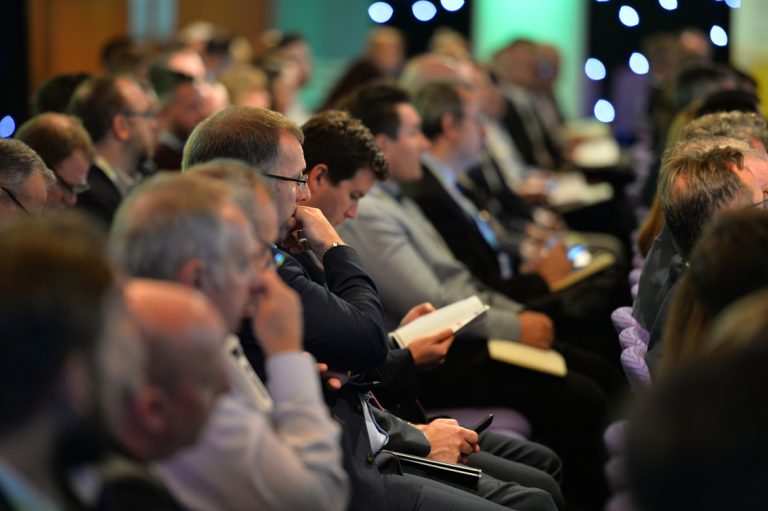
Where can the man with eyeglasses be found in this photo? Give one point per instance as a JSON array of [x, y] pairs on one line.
[[66, 149], [24, 180], [342, 317], [121, 119], [270, 446]]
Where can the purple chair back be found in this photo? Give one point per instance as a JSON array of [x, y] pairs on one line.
[[634, 336], [622, 318], [635, 367]]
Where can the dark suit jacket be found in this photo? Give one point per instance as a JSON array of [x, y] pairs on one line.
[[518, 130], [167, 157], [343, 322], [465, 240], [102, 198], [343, 326]]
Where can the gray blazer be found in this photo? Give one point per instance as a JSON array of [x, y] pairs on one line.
[[410, 263]]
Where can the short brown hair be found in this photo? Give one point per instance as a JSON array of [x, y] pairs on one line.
[[96, 102], [697, 180], [344, 144], [55, 136], [251, 135]]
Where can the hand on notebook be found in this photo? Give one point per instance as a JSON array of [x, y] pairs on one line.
[[450, 442], [536, 329], [417, 312], [428, 351], [555, 265]]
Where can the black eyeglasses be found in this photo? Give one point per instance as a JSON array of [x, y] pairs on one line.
[[301, 182], [762, 203], [70, 188], [15, 200], [146, 114]]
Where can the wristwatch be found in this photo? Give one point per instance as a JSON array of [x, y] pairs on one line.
[[333, 245]]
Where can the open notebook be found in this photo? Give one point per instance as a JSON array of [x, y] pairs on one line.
[[456, 316], [600, 262], [515, 353]]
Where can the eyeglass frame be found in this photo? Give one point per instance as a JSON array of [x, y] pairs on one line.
[[15, 200], [301, 182], [762, 202], [277, 257]]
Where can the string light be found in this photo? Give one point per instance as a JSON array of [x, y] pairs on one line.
[[452, 5], [380, 12], [718, 36], [638, 63], [594, 69], [424, 10], [7, 126], [604, 111], [628, 16]]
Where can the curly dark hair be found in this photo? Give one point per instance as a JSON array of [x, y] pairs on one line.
[[342, 143]]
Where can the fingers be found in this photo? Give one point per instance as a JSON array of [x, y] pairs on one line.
[[416, 312]]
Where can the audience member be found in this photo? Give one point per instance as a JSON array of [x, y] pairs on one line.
[[342, 321], [410, 264], [698, 440], [247, 86], [700, 179], [727, 263], [181, 109], [66, 149], [122, 122], [516, 67], [24, 180], [274, 448], [663, 257], [54, 94], [180, 335], [55, 305], [343, 161]]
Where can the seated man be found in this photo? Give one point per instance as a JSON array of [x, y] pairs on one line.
[[24, 180], [271, 447], [120, 117], [66, 149], [56, 311], [504, 260], [346, 313], [699, 179], [343, 163], [664, 264]]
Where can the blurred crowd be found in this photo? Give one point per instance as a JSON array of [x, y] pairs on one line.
[[202, 277]]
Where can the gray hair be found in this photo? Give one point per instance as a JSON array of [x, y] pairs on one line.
[[18, 162], [168, 220], [242, 179], [745, 126]]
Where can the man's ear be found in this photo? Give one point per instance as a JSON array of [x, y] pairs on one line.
[[448, 124], [151, 406], [317, 175], [119, 127], [192, 274]]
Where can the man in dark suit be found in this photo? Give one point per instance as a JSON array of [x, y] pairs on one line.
[[343, 318], [122, 122]]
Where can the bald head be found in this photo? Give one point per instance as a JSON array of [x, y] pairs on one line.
[[183, 337]]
